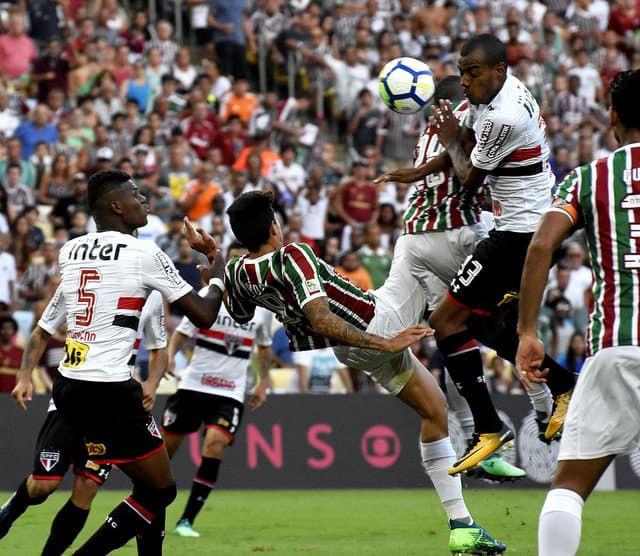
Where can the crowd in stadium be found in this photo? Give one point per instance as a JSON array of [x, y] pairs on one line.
[[278, 95]]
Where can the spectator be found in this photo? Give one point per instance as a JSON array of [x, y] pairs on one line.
[[15, 155], [19, 195], [183, 70], [230, 25], [56, 184], [156, 69], [50, 71], [259, 144], [281, 355], [287, 175], [364, 124], [220, 83], [137, 87], [35, 130], [61, 213], [590, 80], [287, 125], [9, 117], [8, 274], [186, 263], [198, 130], [396, 136], [562, 326], [10, 354], [168, 241], [23, 244], [312, 207], [239, 102], [350, 267], [231, 140], [501, 377], [375, 258], [575, 356], [164, 43], [7, 213], [17, 50], [176, 172], [198, 194], [137, 34], [107, 104], [315, 370], [357, 198], [33, 286]]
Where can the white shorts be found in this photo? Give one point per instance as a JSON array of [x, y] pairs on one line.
[[434, 258], [400, 304], [604, 413]]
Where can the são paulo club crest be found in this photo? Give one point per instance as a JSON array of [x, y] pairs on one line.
[[153, 428], [232, 343], [49, 459]]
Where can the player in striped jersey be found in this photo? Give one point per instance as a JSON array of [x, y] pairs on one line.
[[603, 420], [212, 391], [57, 446], [370, 331]]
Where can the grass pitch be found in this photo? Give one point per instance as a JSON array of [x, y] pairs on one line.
[[348, 522]]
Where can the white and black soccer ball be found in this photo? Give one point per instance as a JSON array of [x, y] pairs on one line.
[[406, 85]]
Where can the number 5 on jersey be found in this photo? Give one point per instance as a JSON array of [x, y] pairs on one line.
[[87, 298]]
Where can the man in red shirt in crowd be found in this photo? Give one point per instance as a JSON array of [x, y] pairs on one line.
[[10, 354], [357, 198], [198, 130]]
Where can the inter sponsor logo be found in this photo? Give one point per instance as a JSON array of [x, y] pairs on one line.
[[49, 459], [95, 449]]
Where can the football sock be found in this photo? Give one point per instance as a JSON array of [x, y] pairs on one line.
[[150, 540], [64, 529], [560, 523], [121, 525], [463, 361], [460, 407], [540, 397], [559, 379], [203, 482], [437, 457], [16, 506]]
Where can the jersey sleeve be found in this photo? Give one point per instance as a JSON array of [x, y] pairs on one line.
[[159, 273], [54, 314], [301, 271], [264, 336], [496, 139], [566, 200], [153, 322], [240, 308]]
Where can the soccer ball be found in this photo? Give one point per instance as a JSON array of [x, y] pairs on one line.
[[406, 85]]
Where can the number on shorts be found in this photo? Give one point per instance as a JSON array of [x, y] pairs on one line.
[[85, 297]]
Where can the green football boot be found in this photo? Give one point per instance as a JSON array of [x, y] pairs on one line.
[[184, 529], [472, 539], [496, 470]]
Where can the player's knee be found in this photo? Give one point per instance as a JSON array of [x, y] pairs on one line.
[[40, 489], [84, 491], [154, 499]]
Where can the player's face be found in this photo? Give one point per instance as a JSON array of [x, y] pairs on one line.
[[480, 81], [133, 205]]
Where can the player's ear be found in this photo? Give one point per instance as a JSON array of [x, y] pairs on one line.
[[115, 207], [613, 117]]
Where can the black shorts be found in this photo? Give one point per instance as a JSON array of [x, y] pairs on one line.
[[187, 410], [110, 418], [58, 447], [490, 277]]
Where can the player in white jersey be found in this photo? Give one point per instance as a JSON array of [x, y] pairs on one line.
[[58, 446], [212, 392], [105, 278], [510, 151]]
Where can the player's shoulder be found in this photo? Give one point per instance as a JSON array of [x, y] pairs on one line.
[[298, 248]]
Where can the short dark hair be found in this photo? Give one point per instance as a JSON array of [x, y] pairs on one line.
[[624, 93], [449, 88], [104, 182], [250, 216], [235, 245], [14, 165], [10, 319], [493, 48]]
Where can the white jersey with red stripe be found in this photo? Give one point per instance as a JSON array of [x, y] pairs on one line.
[[221, 356], [105, 279], [510, 137], [152, 325]]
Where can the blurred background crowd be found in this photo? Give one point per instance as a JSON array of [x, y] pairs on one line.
[[202, 100]]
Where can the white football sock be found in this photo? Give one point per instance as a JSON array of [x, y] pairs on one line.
[[541, 398], [460, 407], [560, 523], [437, 457]]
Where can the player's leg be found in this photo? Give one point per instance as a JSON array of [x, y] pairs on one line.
[[423, 394], [560, 522], [71, 518], [51, 460]]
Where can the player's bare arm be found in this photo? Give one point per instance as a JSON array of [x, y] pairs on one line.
[[37, 343], [157, 367], [456, 141], [176, 341], [259, 395], [327, 324], [437, 164], [553, 228]]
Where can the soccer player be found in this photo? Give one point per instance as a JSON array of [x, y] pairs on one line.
[[441, 228], [510, 151], [106, 277], [367, 331], [212, 391], [604, 414], [58, 446]]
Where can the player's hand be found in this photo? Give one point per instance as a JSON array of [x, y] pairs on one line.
[[200, 240], [148, 396], [259, 395], [408, 337], [529, 359], [402, 175], [170, 369], [445, 124], [23, 393]]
